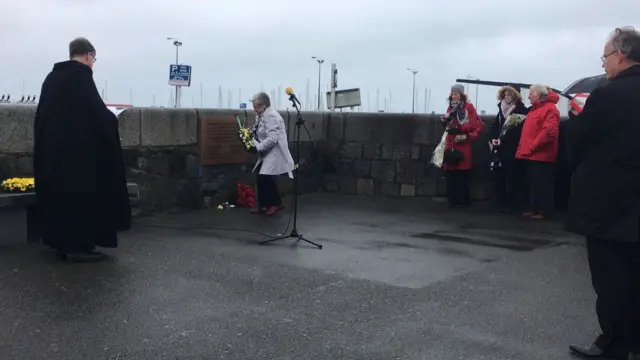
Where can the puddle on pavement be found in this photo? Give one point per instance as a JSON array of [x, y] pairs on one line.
[[367, 225], [464, 254], [387, 245], [516, 243], [446, 251]]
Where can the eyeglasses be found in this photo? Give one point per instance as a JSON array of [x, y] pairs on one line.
[[93, 56], [604, 57]]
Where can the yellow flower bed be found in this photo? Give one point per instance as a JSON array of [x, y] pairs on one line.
[[18, 184]]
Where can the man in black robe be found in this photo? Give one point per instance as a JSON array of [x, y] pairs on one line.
[[604, 206], [81, 188]]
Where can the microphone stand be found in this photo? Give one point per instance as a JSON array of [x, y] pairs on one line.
[[294, 231]]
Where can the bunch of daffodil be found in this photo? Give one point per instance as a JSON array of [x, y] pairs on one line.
[[245, 136], [512, 121], [516, 119], [18, 184]]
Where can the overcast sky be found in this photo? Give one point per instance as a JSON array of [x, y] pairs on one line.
[[243, 45]]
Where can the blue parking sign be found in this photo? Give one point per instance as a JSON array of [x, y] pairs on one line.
[[180, 75]]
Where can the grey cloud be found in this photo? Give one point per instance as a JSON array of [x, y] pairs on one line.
[[242, 45]]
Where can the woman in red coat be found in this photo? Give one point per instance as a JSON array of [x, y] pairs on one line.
[[538, 148], [463, 126]]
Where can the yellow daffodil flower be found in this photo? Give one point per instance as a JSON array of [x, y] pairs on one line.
[[245, 136], [18, 184]]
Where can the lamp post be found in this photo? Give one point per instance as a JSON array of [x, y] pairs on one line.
[[320, 61], [177, 43], [413, 97]]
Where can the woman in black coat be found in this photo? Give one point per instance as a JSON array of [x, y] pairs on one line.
[[510, 186]]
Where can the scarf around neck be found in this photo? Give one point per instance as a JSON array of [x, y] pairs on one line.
[[259, 119], [506, 110], [457, 110]]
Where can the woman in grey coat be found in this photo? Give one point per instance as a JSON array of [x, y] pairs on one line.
[[274, 159]]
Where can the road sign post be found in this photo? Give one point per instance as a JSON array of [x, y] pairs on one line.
[[334, 85]]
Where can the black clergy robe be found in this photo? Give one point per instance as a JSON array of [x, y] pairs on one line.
[[81, 188]]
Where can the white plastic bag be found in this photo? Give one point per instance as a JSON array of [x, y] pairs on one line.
[[438, 154]]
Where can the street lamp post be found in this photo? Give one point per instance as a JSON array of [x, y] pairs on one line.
[[177, 43], [413, 97], [320, 61]]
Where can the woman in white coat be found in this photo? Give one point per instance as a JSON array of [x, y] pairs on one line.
[[274, 158]]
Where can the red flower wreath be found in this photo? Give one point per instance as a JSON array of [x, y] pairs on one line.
[[246, 196]]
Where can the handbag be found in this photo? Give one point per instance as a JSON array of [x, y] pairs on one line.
[[453, 156]]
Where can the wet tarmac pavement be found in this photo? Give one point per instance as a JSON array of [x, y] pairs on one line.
[[396, 279]]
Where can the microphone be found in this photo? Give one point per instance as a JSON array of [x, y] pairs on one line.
[[292, 96]]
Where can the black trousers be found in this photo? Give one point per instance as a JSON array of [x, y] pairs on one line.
[[541, 182], [510, 185], [459, 187], [615, 275], [268, 193]]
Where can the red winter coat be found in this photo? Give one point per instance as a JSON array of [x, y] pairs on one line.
[[539, 139], [472, 130]]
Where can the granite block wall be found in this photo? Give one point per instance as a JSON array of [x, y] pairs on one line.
[[162, 155], [373, 154], [382, 154]]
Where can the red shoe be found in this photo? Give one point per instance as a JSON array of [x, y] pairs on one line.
[[274, 209]]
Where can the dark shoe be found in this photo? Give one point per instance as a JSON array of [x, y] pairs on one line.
[[257, 210], [537, 217], [528, 214], [592, 352], [82, 257]]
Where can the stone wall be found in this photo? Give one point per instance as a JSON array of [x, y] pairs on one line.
[[161, 154], [389, 155], [353, 153]]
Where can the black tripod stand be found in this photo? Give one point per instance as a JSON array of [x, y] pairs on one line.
[[294, 231]]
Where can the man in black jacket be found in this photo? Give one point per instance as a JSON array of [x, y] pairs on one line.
[[604, 152], [81, 189]]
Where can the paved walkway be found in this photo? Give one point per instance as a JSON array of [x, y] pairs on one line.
[[397, 279]]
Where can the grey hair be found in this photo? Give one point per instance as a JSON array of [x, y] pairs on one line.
[[261, 99], [626, 40], [542, 90], [80, 46]]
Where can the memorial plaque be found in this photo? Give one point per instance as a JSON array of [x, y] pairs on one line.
[[219, 142]]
